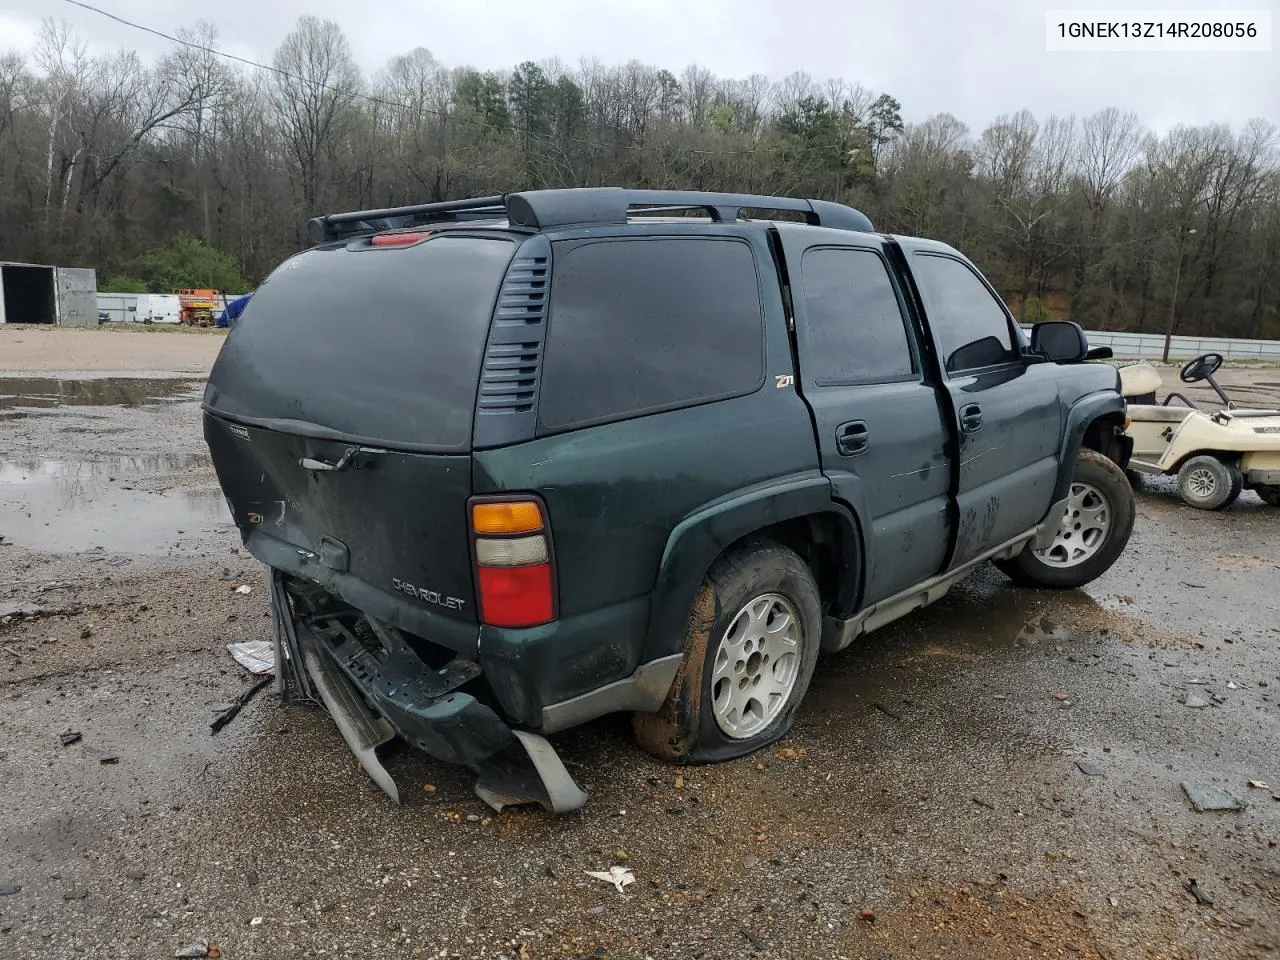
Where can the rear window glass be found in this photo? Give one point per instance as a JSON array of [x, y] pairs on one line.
[[854, 326], [375, 344], [642, 325]]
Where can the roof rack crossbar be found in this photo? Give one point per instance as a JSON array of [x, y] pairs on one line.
[[588, 206], [329, 227]]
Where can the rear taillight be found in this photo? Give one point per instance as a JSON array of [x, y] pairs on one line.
[[512, 549]]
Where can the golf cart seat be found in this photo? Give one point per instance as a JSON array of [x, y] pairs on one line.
[[1139, 382]]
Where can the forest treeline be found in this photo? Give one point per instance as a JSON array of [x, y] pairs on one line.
[[104, 158]]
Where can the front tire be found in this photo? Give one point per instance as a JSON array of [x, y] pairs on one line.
[[1207, 483], [1092, 534], [752, 644]]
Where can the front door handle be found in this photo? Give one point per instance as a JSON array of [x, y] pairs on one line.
[[852, 438], [971, 418]]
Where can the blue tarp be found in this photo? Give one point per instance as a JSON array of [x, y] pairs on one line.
[[233, 310]]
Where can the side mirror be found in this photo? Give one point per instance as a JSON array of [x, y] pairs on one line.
[[1060, 341]]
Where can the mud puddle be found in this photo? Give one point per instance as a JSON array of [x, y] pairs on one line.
[[25, 393], [147, 505]]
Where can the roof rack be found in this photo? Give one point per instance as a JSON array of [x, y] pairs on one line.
[[584, 206]]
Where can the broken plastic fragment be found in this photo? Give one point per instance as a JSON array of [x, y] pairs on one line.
[[1205, 797], [618, 876], [256, 656], [244, 588]]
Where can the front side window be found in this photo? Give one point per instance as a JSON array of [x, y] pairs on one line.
[[969, 323]]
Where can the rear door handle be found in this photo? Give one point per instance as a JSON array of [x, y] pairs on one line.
[[971, 418], [852, 438]]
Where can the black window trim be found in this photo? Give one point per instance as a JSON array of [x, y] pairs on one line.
[[1015, 332], [561, 247], [917, 374]]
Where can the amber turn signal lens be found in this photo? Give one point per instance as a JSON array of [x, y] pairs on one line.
[[516, 516]]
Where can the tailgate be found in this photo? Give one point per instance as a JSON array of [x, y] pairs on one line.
[[387, 532]]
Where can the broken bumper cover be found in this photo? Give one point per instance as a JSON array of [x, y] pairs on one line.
[[374, 696]]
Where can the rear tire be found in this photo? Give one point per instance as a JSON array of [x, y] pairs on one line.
[[1270, 493], [754, 635], [1093, 532], [1207, 483]]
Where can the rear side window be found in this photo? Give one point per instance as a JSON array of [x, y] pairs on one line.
[[971, 327], [638, 326], [853, 323]]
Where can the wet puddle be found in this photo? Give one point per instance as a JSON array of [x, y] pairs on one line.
[[42, 392], [109, 505]]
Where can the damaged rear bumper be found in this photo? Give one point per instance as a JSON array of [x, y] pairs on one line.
[[376, 687]]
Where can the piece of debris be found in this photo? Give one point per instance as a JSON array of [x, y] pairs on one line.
[[199, 948], [68, 737], [135, 875], [1231, 685], [750, 937], [102, 756], [679, 781], [9, 889], [1194, 889], [75, 894], [886, 711], [1060, 697], [596, 910], [13, 653], [1089, 769], [983, 803], [244, 588], [867, 914], [1196, 698], [229, 714], [618, 876], [255, 922], [1206, 798], [1259, 785], [790, 753], [256, 656], [251, 878]]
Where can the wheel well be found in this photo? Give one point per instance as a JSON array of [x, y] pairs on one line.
[[830, 546], [1102, 436]]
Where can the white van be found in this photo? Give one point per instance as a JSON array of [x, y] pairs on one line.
[[157, 308]]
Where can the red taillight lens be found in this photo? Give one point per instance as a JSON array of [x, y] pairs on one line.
[[397, 239], [515, 596], [515, 582]]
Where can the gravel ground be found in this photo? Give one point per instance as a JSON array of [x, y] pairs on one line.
[[997, 776]]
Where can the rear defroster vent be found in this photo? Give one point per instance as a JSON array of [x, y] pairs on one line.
[[507, 402]]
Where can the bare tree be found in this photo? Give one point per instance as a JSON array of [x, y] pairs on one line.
[[316, 79]]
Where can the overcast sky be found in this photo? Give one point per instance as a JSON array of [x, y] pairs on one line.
[[972, 58]]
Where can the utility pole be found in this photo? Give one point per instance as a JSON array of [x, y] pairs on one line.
[[1183, 233]]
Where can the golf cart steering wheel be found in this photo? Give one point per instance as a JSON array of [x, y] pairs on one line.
[[1200, 368]]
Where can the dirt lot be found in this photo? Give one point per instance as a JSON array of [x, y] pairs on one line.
[[997, 776]]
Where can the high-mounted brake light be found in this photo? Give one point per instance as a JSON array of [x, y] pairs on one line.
[[397, 239], [515, 584]]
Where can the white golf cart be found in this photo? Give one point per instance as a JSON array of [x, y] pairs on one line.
[[1214, 455]]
